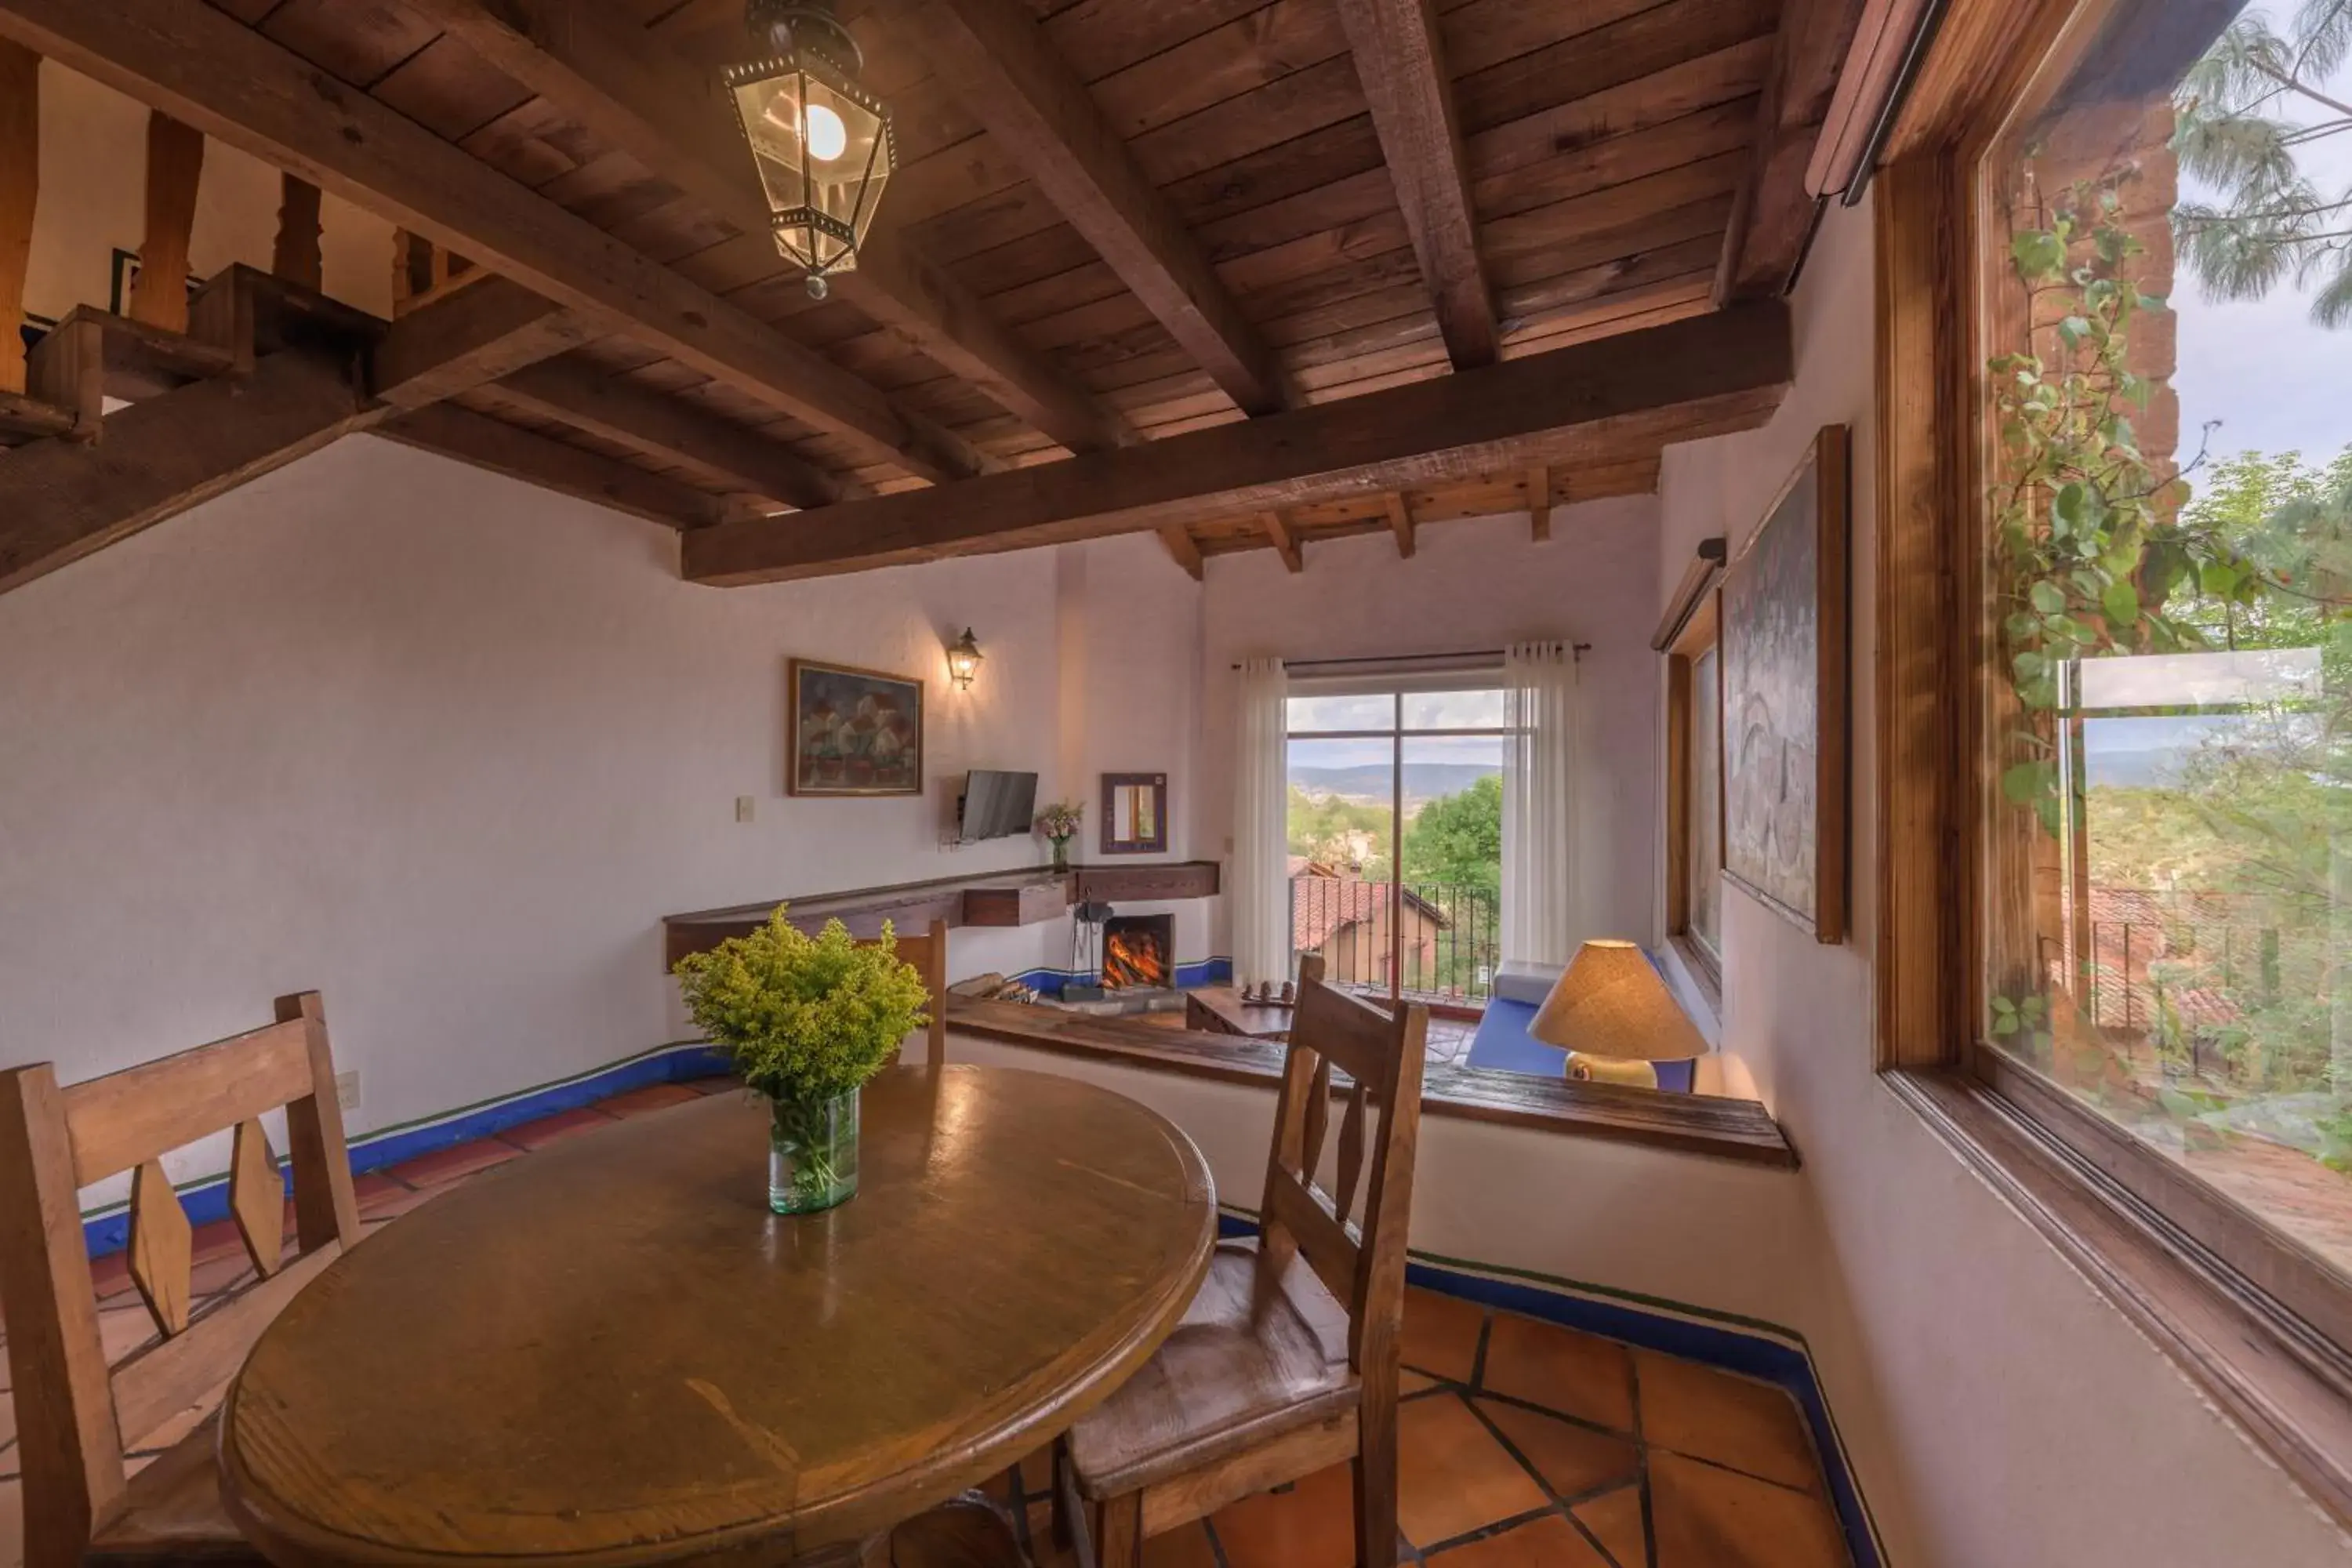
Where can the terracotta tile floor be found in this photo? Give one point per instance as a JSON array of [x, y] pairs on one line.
[[1522, 1445]]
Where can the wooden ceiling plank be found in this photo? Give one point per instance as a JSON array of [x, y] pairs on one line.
[[628, 89], [1539, 502], [993, 58], [518, 454], [204, 67], [1401, 62], [1617, 399], [1279, 535], [20, 184], [1401, 523], [578, 394], [1772, 217], [1183, 550]]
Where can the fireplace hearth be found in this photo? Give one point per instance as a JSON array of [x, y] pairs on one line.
[[1139, 953]]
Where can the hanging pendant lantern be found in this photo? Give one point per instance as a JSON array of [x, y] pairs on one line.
[[821, 143]]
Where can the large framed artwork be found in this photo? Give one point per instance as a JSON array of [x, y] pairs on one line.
[[1784, 662], [853, 731]]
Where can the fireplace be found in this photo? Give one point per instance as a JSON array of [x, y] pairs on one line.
[[1139, 953]]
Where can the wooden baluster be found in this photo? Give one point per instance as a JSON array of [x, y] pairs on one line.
[[20, 181], [257, 1197], [176, 165], [296, 256]]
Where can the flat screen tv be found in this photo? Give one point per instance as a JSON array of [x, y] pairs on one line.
[[997, 805]]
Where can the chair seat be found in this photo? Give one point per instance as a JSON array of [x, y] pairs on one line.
[[1228, 1379], [171, 1512]]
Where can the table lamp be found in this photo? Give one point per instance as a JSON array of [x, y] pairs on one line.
[[1613, 1015]]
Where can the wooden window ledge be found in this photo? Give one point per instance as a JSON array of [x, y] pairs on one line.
[[1738, 1130], [2283, 1382]]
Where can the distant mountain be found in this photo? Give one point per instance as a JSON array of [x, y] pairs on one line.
[[1370, 781]]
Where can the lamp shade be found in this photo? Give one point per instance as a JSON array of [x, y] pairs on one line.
[[823, 151], [1611, 1002]]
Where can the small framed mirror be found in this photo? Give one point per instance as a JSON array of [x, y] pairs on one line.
[[1135, 813]]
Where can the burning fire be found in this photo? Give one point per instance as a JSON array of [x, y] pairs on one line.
[[1134, 958]]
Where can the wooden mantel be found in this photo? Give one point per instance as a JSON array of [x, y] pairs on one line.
[[1016, 897]]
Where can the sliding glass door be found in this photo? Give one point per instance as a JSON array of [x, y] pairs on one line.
[[1396, 833]]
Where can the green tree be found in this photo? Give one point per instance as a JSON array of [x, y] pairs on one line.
[[2269, 219], [1345, 835], [1458, 839]]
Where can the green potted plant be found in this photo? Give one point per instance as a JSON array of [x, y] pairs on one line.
[[807, 1020]]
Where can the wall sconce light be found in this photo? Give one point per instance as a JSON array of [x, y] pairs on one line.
[[963, 660]]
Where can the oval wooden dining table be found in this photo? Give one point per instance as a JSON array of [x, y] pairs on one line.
[[611, 1352]]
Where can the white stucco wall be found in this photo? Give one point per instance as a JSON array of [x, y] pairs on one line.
[[2000, 1410]]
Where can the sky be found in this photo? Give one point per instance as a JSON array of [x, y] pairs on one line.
[[2276, 379]]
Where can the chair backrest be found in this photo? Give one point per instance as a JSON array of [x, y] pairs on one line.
[[929, 954], [72, 1410], [1361, 1261]]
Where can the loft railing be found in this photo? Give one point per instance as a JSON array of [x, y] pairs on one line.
[[1452, 936]]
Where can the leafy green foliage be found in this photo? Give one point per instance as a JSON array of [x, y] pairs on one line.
[[2270, 221], [805, 1018], [1458, 839], [1345, 835]]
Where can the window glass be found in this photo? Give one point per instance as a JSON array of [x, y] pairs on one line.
[[1366, 710], [2168, 885], [1454, 710]]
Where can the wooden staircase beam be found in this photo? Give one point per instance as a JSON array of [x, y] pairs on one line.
[[204, 67], [499, 447]]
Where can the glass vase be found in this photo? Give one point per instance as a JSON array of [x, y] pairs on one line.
[[812, 1153], [1061, 854]]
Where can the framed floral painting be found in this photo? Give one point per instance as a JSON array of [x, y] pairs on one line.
[[853, 731]]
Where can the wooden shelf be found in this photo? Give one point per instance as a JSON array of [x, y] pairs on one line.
[[1152, 880]]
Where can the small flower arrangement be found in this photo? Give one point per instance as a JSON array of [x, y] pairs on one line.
[[807, 1020], [1059, 822]]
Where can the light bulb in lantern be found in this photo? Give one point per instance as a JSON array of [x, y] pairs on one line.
[[829, 138]]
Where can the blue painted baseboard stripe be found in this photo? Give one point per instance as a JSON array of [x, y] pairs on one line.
[[1750, 1347]]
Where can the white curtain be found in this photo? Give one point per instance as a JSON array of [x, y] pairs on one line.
[[1260, 898], [1541, 920]]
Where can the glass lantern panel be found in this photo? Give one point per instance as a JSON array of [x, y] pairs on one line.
[[770, 109], [845, 185]]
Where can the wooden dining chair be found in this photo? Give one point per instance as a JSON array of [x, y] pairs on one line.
[[1286, 1361], [73, 1410], [929, 954]]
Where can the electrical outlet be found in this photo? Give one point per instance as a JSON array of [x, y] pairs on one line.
[[742, 808], [347, 1089]]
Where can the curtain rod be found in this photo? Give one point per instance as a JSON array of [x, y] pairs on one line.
[[1578, 648]]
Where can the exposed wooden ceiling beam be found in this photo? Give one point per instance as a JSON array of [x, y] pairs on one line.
[[999, 64], [1401, 523], [1539, 502], [477, 334], [1182, 550], [212, 72], [1284, 543], [1773, 215], [1400, 61], [633, 91], [588, 397], [1617, 399], [501, 448]]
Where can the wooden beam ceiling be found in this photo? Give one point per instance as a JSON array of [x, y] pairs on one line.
[[477, 334], [1539, 502], [1773, 216], [1400, 61], [1284, 543], [632, 91], [518, 454], [587, 397], [204, 67], [1183, 550], [1615, 400], [1400, 513], [1000, 66]]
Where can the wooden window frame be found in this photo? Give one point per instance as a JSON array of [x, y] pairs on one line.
[[1700, 630], [2255, 1318]]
